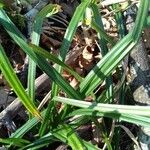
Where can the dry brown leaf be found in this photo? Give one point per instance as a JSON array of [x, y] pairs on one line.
[[74, 83]]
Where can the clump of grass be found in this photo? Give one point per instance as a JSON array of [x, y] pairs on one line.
[[53, 125]]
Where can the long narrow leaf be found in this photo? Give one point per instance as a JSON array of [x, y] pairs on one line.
[[54, 59], [70, 32], [106, 65], [14, 82], [77, 17], [122, 112], [42, 63], [35, 38], [139, 120], [125, 109], [44, 141], [72, 139], [26, 127], [15, 141], [118, 52], [104, 48]]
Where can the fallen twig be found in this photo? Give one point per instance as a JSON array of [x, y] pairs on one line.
[[32, 13], [41, 83], [13, 109]]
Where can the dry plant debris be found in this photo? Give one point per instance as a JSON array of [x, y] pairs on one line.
[[83, 54]]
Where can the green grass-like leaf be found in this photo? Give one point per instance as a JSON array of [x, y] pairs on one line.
[[54, 120], [116, 55], [40, 61], [14, 82], [121, 112], [68, 37], [17, 141], [55, 60], [71, 137], [70, 32], [35, 38]]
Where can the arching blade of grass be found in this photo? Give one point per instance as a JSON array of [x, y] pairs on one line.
[[62, 133], [125, 109], [104, 48], [121, 112], [26, 127], [43, 141], [70, 32], [16, 141], [41, 62], [48, 10], [14, 82], [67, 135], [70, 136], [106, 65], [68, 37], [136, 119], [71, 29], [118, 52], [54, 59]]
